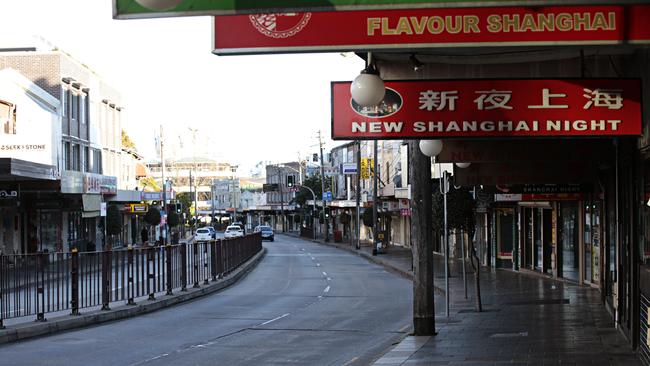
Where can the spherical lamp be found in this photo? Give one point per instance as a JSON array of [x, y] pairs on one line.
[[159, 4], [430, 147], [463, 165], [368, 89]]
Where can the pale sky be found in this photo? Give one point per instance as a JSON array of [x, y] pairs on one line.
[[246, 108]]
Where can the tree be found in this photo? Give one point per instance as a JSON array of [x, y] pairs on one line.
[[152, 217], [127, 143], [173, 219], [460, 216], [148, 183], [303, 195], [113, 222]]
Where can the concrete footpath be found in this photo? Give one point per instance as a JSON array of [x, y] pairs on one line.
[[61, 322], [528, 319]]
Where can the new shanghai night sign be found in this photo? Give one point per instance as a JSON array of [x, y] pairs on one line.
[[491, 108]]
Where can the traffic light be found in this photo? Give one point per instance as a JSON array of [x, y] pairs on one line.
[[179, 207], [327, 212], [290, 181]]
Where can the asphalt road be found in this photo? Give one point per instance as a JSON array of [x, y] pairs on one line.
[[304, 304]]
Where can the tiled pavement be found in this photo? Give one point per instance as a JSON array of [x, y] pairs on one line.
[[527, 320]]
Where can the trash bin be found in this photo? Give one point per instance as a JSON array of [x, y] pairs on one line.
[[338, 236]]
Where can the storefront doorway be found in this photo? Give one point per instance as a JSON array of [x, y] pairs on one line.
[[569, 241], [537, 244], [505, 237], [592, 242]]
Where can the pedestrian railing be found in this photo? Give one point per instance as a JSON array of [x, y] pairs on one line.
[[36, 284]]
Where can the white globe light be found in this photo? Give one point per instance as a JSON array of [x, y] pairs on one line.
[[368, 89], [430, 147], [159, 4], [463, 165]]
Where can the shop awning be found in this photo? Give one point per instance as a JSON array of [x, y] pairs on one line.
[[15, 169], [91, 205]]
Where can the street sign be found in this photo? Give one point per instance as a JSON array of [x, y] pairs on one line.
[[366, 167], [270, 187], [349, 168], [403, 29], [327, 196], [502, 108]]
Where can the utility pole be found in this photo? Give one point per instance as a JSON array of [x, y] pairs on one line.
[[212, 190], [358, 244], [419, 176], [191, 216], [164, 185], [281, 196], [322, 173], [375, 227]]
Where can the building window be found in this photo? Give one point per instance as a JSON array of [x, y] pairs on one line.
[[86, 159], [8, 118], [67, 163], [76, 158]]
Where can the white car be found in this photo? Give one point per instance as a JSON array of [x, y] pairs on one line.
[[233, 231], [203, 234]]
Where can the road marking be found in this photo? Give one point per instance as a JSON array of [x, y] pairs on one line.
[[272, 320], [350, 362], [327, 289], [404, 328], [329, 278], [312, 258], [317, 264], [325, 274]]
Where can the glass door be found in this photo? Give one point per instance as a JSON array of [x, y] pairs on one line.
[[570, 243]]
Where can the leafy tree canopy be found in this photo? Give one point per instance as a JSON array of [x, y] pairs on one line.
[[152, 217]]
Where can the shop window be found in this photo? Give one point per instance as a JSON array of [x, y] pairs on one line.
[[8, 117]]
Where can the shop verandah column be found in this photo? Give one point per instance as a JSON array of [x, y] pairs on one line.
[[421, 240]]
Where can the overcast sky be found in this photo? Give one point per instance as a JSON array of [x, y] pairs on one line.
[[246, 108]]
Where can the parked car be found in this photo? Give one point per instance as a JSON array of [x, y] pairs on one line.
[[213, 232], [203, 234], [241, 225], [267, 232], [233, 231]]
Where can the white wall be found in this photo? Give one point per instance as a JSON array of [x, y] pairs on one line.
[[38, 124]]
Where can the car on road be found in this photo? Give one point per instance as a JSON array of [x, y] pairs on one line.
[[213, 232], [203, 234], [267, 232], [233, 231]]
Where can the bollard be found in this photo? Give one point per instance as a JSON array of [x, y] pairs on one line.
[[213, 262], [150, 275], [74, 286], [195, 250], [130, 274], [40, 290], [106, 279], [206, 278], [184, 267], [168, 263], [219, 249]]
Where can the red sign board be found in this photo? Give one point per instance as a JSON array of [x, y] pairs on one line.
[[491, 108], [424, 28]]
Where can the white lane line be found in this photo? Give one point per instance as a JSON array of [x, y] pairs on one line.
[[317, 264], [329, 278], [325, 274], [272, 320], [327, 289], [351, 361], [312, 258]]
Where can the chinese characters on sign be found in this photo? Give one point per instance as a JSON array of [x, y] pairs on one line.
[[483, 108]]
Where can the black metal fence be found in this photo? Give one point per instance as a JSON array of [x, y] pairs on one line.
[[36, 284]]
